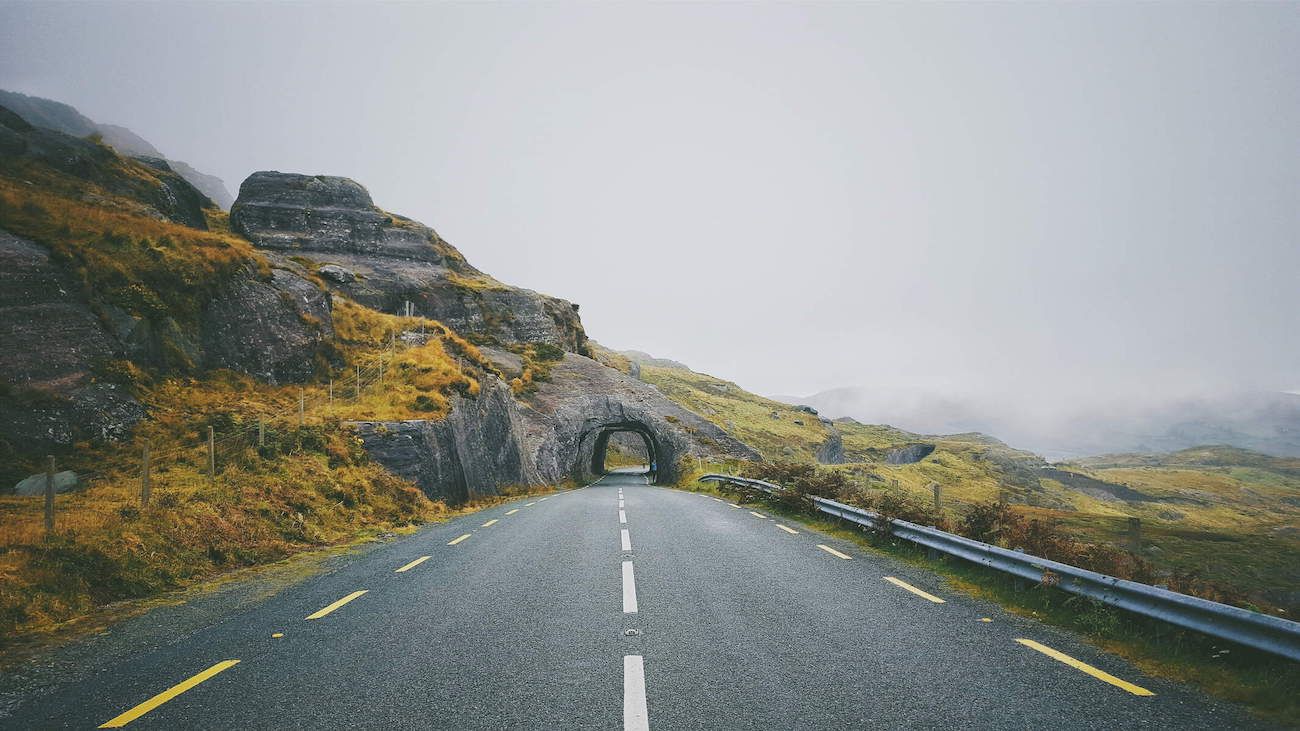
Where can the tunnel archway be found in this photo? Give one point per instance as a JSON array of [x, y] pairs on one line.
[[595, 445]]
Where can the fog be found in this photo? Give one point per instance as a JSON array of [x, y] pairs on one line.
[[1038, 208]]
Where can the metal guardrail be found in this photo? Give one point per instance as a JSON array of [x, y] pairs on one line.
[[1261, 631]]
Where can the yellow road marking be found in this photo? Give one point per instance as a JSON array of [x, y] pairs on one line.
[[757, 515], [454, 541], [166, 695], [322, 612], [985, 619], [412, 564], [1085, 667], [791, 531], [489, 523], [923, 594], [512, 512], [277, 635], [833, 552]]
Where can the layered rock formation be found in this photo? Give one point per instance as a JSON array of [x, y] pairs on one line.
[[331, 226], [52, 345]]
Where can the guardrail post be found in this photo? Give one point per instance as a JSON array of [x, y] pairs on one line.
[[49, 496], [144, 478], [1135, 535]]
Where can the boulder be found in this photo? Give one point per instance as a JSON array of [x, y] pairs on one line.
[[384, 261], [35, 485]]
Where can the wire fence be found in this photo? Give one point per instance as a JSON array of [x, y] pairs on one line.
[[232, 439]]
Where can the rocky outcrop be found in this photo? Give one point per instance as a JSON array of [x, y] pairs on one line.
[[268, 329], [52, 344], [908, 454], [565, 418], [832, 450], [477, 450], [384, 261]]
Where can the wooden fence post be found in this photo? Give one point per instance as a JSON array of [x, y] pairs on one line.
[[261, 432], [144, 479], [358, 382], [49, 496], [212, 457], [331, 393], [302, 407], [938, 499]]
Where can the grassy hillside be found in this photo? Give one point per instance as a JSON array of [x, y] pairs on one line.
[[776, 430], [1224, 520]]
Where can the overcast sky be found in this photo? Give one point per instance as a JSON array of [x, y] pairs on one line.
[[1045, 202]]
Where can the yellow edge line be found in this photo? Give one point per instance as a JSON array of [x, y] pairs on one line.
[[512, 512], [833, 552], [923, 594], [490, 523], [412, 564], [166, 695], [454, 541], [322, 612], [791, 531], [1085, 667]]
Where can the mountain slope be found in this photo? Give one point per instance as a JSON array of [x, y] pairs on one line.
[[60, 117]]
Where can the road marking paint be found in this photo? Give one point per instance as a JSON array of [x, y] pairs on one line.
[[322, 612], [529, 505], [512, 512], [542, 500], [757, 515], [412, 564], [489, 524], [454, 541], [627, 540], [832, 551], [791, 531], [1085, 667], [629, 589], [635, 715], [166, 695], [277, 635], [733, 505], [622, 516], [985, 619], [620, 503], [904, 585]]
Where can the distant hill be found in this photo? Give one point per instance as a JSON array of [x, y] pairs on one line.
[[60, 117], [1260, 421]]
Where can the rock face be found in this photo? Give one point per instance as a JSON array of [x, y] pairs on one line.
[[571, 415], [908, 454], [50, 394], [384, 261], [832, 450], [270, 330], [557, 434], [477, 450]]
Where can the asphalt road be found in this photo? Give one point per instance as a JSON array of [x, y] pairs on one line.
[[544, 614]]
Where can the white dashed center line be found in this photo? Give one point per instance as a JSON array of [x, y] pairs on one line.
[[635, 715], [622, 516], [629, 589], [627, 540]]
